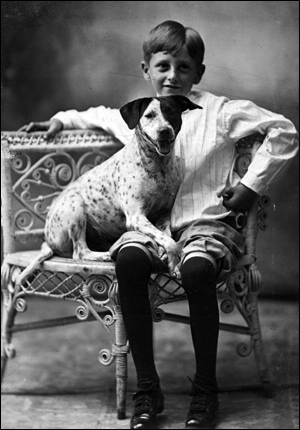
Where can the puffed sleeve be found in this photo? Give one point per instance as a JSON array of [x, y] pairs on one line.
[[97, 117], [280, 146]]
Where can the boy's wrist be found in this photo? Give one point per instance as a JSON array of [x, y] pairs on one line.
[[252, 182]]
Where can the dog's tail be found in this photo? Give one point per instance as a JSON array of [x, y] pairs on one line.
[[46, 252]]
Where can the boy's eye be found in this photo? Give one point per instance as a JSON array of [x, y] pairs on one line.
[[162, 66], [185, 67]]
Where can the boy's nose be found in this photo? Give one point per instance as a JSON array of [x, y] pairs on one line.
[[172, 75]]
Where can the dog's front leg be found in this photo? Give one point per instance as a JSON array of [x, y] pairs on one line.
[[139, 222], [164, 225]]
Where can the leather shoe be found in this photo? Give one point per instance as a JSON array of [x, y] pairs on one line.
[[203, 409], [149, 402]]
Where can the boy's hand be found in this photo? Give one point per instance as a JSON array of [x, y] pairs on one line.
[[239, 198], [53, 127]]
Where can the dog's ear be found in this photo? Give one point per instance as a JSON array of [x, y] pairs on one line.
[[133, 111], [184, 103]]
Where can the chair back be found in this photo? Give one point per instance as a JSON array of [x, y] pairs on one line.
[[35, 170]]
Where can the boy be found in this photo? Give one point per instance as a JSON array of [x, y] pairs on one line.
[[202, 218]]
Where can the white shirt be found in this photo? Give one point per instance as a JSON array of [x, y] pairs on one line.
[[205, 146]]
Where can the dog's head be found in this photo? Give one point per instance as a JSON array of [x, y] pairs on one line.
[[158, 118]]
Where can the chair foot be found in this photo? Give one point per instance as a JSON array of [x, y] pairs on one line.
[[3, 366], [121, 415]]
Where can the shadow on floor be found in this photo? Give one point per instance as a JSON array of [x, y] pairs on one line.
[[56, 382]]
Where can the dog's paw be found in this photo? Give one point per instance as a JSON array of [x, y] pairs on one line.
[[107, 258], [174, 266], [177, 273], [162, 253]]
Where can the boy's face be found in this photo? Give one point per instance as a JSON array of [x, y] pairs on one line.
[[172, 75]]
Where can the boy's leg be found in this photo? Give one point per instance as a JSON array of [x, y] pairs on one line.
[[133, 270], [199, 281]]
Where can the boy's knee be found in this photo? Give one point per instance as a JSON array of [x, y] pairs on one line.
[[133, 255], [198, 271]]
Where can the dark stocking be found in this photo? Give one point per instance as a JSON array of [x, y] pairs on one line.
[[133, 269], [198, 279]]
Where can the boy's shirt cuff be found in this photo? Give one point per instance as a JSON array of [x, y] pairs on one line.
[[64, 119], [251, 181]]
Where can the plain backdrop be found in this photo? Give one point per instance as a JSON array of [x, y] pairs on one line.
[[59, 55]]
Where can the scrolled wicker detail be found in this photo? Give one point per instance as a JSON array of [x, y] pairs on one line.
[[158, 314], [25, 185], [37, 175], [21, 163], [242, 163], [26, 196], [106, 357], [49, 164], [227, 306], [243, 349], [23, 219], [40, 208], [82, 312], [108, 320], [62, 175], [97, 287], [240, 285], [21, 305]]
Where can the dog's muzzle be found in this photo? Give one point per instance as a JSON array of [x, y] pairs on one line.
[[162, 146]]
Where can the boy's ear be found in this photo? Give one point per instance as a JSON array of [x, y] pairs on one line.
[[184, 103], [145, 69], [200, 73], [133, 111]]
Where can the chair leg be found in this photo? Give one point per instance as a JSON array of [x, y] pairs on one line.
[[8, 313], [259, 349], [121, 364]]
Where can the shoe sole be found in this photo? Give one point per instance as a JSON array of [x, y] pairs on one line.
[[194, 427], [153, 424]]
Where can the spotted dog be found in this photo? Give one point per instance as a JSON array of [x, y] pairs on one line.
[[133, 190]]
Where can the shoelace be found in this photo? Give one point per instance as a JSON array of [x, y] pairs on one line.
[[200, 399], [143, 397], [199, 402]]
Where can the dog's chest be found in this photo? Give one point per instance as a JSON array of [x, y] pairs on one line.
[[146, 183], [124, 184]]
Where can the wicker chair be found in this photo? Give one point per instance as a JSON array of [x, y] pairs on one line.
[[34, 171]]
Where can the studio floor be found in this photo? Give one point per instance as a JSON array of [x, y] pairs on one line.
[[56, 382]]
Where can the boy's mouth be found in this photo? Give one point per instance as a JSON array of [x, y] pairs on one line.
[[174, 87]]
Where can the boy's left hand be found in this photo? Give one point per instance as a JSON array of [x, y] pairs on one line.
[[239, 198]]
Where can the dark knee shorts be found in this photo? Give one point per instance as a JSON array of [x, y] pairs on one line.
[[211, 239]]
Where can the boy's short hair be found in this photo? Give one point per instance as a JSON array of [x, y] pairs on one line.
[[170, 36]]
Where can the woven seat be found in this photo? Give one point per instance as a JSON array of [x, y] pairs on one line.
[[34, 171]]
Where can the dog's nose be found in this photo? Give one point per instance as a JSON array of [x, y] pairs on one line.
[[165, 133]]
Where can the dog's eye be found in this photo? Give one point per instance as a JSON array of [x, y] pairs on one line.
[[169, 111], [149, 115]]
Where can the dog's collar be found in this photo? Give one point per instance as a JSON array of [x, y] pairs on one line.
[[145, 136]]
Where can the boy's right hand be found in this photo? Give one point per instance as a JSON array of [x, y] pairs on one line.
[[52, 127]]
